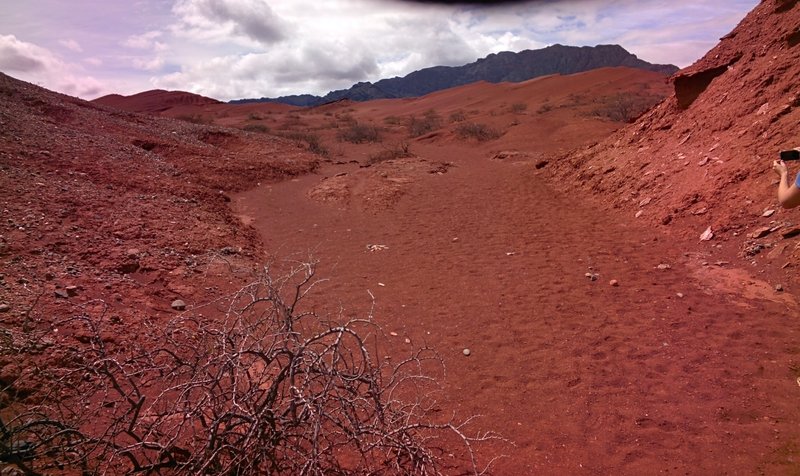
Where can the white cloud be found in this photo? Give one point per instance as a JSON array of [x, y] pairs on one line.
[[71, 45], [145, 41], [310, 68], [250, 48], [33, 63], [152, 64], [219, 20], [19, 56]]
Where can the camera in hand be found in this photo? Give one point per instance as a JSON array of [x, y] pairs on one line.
[[790, 155]]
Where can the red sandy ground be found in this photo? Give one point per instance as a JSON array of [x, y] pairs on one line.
[[689, 369], [688, 365]]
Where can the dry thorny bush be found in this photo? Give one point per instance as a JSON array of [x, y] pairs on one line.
[[271, 388]]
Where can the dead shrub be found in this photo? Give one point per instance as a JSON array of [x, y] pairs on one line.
[[624, 107], [310, 141], [269, 388], [519, 107], [429, 122], [261, 128], [358, 133], [193, 118], [395, 151], [477, 131], [458, 116], [292, 121]]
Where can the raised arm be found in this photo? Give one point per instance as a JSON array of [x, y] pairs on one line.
[[788, 192]]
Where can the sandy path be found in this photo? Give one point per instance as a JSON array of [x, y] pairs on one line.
[[584, 377]]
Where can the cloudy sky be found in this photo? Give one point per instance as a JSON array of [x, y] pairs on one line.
[[229, 49]]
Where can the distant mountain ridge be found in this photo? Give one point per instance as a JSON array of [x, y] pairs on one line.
[[495, 68]]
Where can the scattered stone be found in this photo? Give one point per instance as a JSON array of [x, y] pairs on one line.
[[60, 293], [129, 267], [466, 352], [72, 290], [639, 213], [791, 233], [407, 340], [132, 253], [645, 202], [393, 334], [768, 213], [680, 295], [753, 249], [4, 307], [591, 276], [455, 240], [663, 266], [178, 305], [230, 250], [613, 282], [779, 288], [760, 232], [707, 235]]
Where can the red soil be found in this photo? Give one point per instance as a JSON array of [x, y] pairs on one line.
[[687, 364], [154, 101]]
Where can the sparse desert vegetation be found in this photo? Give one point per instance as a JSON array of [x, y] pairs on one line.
[[268, 388], [393, 151], [625, 107], [309, 140], [430, 121], [256, 128], [358, 133], [477, 131]]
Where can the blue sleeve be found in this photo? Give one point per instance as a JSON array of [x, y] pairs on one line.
[[797, 180]]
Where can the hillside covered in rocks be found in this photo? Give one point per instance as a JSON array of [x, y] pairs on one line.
[[701, 160]]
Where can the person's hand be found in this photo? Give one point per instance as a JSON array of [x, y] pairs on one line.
[[779, 167]]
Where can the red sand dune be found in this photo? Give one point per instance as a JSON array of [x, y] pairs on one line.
[[154, 101]]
